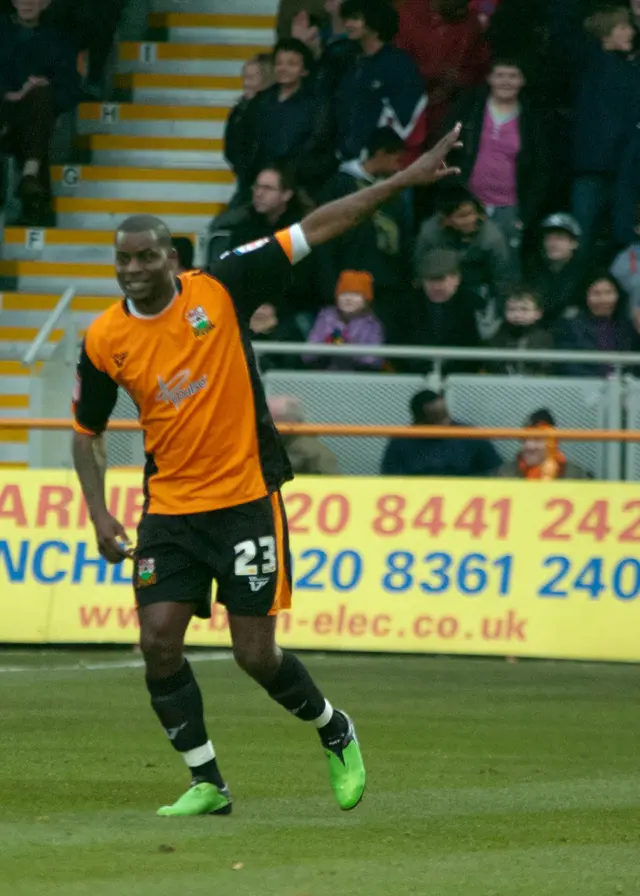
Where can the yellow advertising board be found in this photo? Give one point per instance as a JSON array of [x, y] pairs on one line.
[[544, 569]]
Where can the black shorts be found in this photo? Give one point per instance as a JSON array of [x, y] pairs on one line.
[[245, 549]]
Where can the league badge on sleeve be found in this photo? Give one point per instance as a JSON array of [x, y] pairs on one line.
[[251, 247], [200, 323]]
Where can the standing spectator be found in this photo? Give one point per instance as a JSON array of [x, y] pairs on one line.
[[445, 40], [381, 87], [282, 121], [602, 326], [556, 270], [606, 104], [445, 317], [541, 458], [521, 330], [257, 75], [381, 245], [289, 9], [460, 224], [307, 454], [627, 191], [504, 156], [437, 457], [349, 322], [38, 82]]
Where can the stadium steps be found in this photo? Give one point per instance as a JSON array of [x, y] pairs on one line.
[[158, 150]]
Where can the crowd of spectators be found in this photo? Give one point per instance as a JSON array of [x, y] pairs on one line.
[[534, 246]]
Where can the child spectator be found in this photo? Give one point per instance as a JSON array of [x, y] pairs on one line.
[[460, 224], [257, 75], [445, 317], [445, 40], [504, 156], [606, 103], [349, 322], [381, 244], [626, 270], [38, 82], [381, 87], [555, 272], [541, 458], [602, 326], [521, 330]]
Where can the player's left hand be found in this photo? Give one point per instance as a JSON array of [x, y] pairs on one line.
[[432, 166]]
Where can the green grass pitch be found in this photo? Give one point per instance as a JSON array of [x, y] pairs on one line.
[[485, 779]]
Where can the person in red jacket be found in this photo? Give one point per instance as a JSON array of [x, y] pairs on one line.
[[445, 40]]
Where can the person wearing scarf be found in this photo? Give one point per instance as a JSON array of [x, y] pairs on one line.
[[541, 458]]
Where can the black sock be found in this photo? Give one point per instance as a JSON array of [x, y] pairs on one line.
[[177, 702], [295, 690]]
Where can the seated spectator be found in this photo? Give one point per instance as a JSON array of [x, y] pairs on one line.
[[38, 82], [602, 326], [184, 250], [606, 105], [257, 75], [274, 206], [282, 122], [381, 244], [541, 458], [307, 454], [445, 316], [267, 325], [437, 457], [445, 40], [504, 157], [349, 322], [556, 271], [381, 87], [626, 270], [522, 330], [461, 225]]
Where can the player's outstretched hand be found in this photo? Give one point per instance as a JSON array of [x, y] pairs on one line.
[[112, 539], [432, 166]]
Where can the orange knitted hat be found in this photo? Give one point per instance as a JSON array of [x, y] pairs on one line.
[[356, 281]]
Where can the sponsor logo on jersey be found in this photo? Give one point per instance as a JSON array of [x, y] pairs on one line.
[[200, 323], [179, 388]]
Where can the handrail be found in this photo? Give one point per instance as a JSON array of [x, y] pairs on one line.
[[436, 353], [47, 327], [386, 432]]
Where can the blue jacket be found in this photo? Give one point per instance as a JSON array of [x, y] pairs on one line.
[[440, 457], [42, 52], [385, 89], [606, 92]]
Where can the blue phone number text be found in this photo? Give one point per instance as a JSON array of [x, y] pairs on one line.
[[471, 574]]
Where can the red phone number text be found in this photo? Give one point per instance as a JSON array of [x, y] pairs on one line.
[[395, 514]]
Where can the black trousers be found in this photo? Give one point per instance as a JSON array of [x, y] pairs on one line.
[[29, 124]]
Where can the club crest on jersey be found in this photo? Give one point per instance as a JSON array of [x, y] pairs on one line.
[[200, 323], [146, 572]]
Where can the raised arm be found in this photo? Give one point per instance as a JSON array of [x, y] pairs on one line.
[[332, 220]]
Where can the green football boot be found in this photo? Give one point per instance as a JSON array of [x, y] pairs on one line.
[[200, 799], [346, 769]]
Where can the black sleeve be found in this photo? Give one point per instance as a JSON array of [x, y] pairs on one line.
[[254, 274], [95, 395]]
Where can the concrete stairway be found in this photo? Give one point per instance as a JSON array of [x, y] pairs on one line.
[[158, 150]]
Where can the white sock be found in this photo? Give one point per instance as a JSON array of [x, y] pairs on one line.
[[325, 717], [199, 755], [31, 168]]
